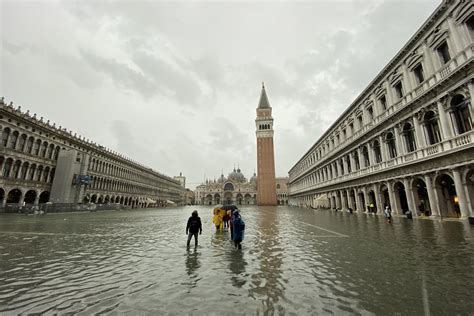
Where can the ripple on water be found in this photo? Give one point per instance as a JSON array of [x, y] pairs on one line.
[[293, 262]]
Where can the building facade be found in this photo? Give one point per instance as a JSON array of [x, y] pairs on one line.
[[42, 163], [266, 185], [407, 140], [236, 189]]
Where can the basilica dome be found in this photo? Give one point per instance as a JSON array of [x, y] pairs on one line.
[[237, 176]]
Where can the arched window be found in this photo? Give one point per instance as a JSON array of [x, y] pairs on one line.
[[460, 114], [348, 163], [50, 151], [356, 160], [44, 146], [392, 148], [24, 170], [56, 153], [278, 186], [409, 136], [13, 139], [7, 167], [32, 172], [432, 128], [29, 145], [5, 135], [36, 147], [377, 152], [16, 169], [365, 153], [22, 142]]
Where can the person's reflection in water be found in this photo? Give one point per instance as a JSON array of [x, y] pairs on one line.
[[237, 265], [192, 265]]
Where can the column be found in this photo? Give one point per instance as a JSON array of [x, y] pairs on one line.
[[36, 202], [410, 198], [419, 134], [428, 62], [366, 199], [344, 164], [390, 98], [471, 92], [378, 199], [398, 141], [351, 159], [391, 195], [338, 200], [431, 195], [445, 126], [22, 199], [383, 149], [461, 193], [456, 40], [359, 208], [361, 158], [350, 201], [343, 200]]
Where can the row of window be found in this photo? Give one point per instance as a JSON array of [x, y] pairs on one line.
[[461, 123], [442, 51], [107, 168], [99, 183], [25, 170], [29, 145]]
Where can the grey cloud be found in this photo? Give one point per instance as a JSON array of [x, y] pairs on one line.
[[122, 75]]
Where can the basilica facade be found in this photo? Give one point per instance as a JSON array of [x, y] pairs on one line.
[[407, 141], [236, 189]]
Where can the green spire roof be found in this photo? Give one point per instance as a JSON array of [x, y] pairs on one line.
[[263, 103]]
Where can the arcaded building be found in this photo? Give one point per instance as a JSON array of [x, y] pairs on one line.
[[41, 162], [407, 140]]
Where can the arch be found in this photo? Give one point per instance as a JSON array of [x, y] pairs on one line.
[[30, 197], [122, 200], [385, 196], [100, 200], [86, 198], [460, 114], [401, 200], [5, 136], [362, 202], [247, 199], [43, 149], [36, 147], [14, 196], [29, 144], [7, 166], [239, 199], [2, 196], [365, 154], [228, 199], [372, 201], [31, 172], [408, 133], [14, 139], [56, 153], [469, 180], [430, 121], [217, 198], [447, 196], [16, 169], [421, 198], [392, 148], [50, 152], [94, 198], [44, 197], [106, 199], [24, 170], [22, 142], [228, 186]]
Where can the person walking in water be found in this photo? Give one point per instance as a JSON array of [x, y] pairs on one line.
[[238, 229], [388, 214], [193, 227]]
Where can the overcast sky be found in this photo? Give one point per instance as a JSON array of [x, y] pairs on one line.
[[174, 85]]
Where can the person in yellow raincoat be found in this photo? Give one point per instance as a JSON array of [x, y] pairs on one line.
[[218, 218]]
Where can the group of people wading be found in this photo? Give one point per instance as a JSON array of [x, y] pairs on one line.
[[223, 220]]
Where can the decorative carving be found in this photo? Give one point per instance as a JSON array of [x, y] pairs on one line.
[[463, 12], [11, 104], [437, 37]]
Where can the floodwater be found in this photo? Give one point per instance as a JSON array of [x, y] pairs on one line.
[[293, 262]]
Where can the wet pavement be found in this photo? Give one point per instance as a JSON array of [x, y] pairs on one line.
[[293, 262]]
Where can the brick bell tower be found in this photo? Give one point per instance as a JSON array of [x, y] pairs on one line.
[[266, 183]]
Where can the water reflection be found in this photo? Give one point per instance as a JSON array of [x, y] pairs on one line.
[[267, 285], [293, 261], [237, 265]]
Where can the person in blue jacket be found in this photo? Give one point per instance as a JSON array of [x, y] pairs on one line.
[[238, 229]]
